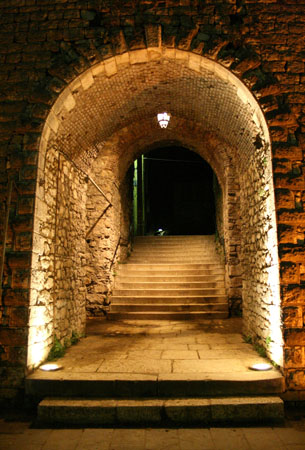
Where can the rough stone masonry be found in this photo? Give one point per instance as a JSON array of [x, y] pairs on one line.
[[80, 83]]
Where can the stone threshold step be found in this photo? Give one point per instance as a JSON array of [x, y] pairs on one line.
[[234, 410], [121, 385]]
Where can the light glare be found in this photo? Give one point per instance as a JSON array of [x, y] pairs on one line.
[[50, 367], [163, 119], [261, 366]]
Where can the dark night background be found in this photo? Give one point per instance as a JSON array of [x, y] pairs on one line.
[[179, 192]]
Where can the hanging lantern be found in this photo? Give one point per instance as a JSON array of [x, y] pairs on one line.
[[163, 119]]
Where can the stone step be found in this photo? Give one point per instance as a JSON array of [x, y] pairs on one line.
[[192, 237], [121, 385], [173, 250], [176, 266], [169, 278], [146, 411], [167, 315], [178, 252], [190, 240], [168, 307], [170, 292], [174, 244], [169, 259], [152, 270], [162, 299], [168, 285]]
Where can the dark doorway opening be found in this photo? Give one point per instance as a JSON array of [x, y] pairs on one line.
[[177, 185]]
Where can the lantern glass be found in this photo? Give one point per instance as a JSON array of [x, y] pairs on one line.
[[163, 119]]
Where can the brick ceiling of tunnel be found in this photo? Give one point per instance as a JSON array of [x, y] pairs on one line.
[[140, 91]]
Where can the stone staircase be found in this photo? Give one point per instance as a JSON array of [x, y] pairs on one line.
[[148, 400], [170, 277], [123, 383], [149, 373]]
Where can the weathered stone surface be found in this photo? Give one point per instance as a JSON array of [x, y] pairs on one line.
[[43, 49]]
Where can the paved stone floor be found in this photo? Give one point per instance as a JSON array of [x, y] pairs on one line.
[[163, 348], [216, 347], [18, 435]]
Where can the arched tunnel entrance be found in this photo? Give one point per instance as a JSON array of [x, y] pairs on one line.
[[97, 128], [174, 193]]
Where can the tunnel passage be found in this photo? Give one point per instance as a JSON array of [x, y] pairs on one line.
[[178, 193], [100, 124]]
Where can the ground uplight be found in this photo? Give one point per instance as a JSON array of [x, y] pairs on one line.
[[261, 366], [50, 367]]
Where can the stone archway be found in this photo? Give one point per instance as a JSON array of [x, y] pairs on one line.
[[103, 121]]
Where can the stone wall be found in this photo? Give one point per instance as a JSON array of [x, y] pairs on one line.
[[108, 214], [232, 241], [58, 294], [46, 45], [218, 195], [228, 240], [260, 274]]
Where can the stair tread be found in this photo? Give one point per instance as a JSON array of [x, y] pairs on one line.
[[183, 292], [74, 401], [177, 304], [170, 296], [165, 315], [195, 284], [154, 410], [165, 312]]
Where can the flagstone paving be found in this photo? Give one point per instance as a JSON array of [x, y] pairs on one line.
[[162, 347], [18, 434]]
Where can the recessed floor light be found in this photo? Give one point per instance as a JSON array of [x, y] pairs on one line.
[[50, 367], [261, 366]]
